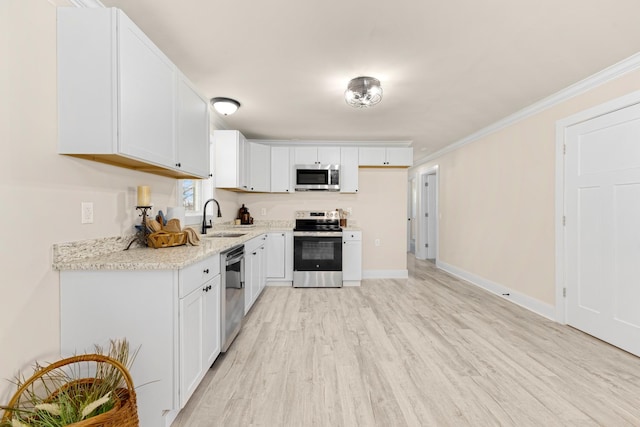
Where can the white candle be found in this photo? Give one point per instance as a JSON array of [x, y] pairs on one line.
[[144, 195]]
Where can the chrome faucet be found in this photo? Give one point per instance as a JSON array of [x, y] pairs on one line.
[[204, 215]]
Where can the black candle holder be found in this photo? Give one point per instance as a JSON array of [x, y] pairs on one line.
[[143, 231]]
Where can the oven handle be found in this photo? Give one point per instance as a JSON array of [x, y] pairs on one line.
[[317, 234]]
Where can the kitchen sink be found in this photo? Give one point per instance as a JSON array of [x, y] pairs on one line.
[[223, 234]]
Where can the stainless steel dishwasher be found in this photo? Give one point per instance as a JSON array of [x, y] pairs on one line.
[[232, 294]]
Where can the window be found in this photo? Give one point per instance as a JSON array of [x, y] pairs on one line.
[[191, 195]]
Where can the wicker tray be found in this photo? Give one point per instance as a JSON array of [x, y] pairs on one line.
[[165, 239]]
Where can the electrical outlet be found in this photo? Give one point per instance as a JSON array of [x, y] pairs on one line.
[[87, 212], [263, 211], [377, 242]]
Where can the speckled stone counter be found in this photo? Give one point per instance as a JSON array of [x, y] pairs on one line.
[[109, 254]]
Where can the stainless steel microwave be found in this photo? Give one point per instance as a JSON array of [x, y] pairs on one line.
[[317, 177]]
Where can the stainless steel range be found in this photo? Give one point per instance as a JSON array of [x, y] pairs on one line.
[[317, 250]]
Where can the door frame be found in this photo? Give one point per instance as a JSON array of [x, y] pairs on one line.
[[410, 210], [562, 125], [421, 232]]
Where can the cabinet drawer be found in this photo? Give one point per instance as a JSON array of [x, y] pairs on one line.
[[197, 274], [254, 244], [351, 235]]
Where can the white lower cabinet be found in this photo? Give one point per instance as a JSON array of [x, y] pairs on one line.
[[199, 322], [254, 270], [351, 258], [279, 248], [171, 316]]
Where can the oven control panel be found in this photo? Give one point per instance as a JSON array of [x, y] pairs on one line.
[[317, 215]]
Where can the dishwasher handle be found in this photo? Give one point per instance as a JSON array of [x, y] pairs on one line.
[[234, 255]]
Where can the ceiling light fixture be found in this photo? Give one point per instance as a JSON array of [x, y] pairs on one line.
[[363, 92], [225, 106]]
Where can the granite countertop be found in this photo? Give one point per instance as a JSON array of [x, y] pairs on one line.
[[109, 253]]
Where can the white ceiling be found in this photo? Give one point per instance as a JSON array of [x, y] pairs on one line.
[[448, 68]]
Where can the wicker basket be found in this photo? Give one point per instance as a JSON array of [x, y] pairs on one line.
[[124, 412], [165, 239]]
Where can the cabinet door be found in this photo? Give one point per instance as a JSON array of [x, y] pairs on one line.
[[281, 170], [275, 256], [259, 167], [87, 80], [329, 155], [399, 156], [349, 170], [193, 131], [146, 96], [252, 280], [262, 277], [352, 255], [372, 156], [230, 159], [211, 328], [305, 155], [191, 321]]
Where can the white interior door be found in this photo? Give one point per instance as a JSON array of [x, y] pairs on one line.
[[602, 208]]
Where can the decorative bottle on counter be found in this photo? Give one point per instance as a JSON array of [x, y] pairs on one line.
[[244, 215]]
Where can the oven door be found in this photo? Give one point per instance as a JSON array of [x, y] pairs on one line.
[[317, 259]]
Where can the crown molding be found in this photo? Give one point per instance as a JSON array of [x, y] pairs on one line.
[[610, 73], [300, 142], [86, 3]]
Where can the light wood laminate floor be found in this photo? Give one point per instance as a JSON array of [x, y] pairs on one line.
[[427, 351]]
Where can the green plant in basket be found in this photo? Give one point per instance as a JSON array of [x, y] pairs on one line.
[[65, 394]]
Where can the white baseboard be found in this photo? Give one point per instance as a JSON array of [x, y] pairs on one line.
[[385, 274], [346, 283], [515, 297]]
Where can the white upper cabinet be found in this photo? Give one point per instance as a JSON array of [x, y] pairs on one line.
[[386, 156], [349, 169], [281, 170], [146, 94], [193, 128], [122, 101], [231, 159], [240, 164], [259, 167], [316, 155]]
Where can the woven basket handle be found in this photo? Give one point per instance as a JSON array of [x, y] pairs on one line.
[[68, 361]]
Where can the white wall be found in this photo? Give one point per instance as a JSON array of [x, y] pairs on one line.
[[379, 208], [497, 201], [41, 191]]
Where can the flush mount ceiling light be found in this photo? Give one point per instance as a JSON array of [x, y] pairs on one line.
[[363, 92], [225, 106]]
